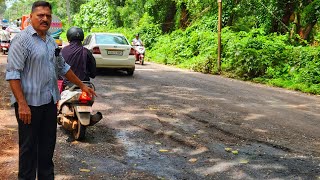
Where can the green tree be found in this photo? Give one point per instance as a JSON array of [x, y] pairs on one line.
[[3, 7], [92, 14], [22, 7]]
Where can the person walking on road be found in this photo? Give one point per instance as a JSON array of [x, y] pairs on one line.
[[34, 64]]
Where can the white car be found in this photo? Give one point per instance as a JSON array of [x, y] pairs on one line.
[[111, 50], [13, 30]]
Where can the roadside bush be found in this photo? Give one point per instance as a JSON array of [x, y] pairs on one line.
[[250, 54], [189, 49], [204, 64], [307, 63]]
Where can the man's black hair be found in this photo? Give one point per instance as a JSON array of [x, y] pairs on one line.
[[41, 3]]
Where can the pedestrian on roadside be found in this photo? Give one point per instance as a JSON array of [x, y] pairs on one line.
[[34, 63]]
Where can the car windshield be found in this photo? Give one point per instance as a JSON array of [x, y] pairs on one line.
[[110, 39], [13, 29]]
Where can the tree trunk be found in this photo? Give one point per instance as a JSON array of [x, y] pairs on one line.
[[288, 12], [184, 18], [305, 32], [168, 25], [233, 14]]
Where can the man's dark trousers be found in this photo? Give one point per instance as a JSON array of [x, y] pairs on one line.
[[37, 142]]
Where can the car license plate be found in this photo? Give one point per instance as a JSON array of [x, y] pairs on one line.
[[83, 108], [117, 53]]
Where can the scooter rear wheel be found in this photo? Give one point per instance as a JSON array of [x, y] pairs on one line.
[[59, 120], [141, 61], [80, 132]]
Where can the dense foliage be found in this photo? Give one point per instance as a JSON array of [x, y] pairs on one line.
[[87, 17], [253, 55], [268, 41]]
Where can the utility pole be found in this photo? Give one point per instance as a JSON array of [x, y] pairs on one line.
[[219, 34], [68, 11]]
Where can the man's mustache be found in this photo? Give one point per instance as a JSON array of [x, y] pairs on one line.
[[45, 23]]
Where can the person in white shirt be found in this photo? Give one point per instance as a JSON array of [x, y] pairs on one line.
[[18, 22], [137, 41], [4, 35]]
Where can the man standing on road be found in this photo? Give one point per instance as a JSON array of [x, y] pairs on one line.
[[33, 67]]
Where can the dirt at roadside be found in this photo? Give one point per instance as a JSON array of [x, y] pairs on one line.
[[8, 133], [4, 92]]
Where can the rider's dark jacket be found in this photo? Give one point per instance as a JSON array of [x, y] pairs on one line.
[[81, 60]]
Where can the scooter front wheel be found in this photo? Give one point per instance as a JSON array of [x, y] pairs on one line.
[[141, 61], [80, 132]]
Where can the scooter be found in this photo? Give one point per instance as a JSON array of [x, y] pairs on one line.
[[4, 45], [74, 110], [140, 50]]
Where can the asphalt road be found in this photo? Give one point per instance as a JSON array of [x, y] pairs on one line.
[[167, 123]]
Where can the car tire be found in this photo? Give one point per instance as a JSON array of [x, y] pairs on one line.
[[130, 72]]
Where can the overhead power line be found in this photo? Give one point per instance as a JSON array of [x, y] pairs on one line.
[[278, 19]]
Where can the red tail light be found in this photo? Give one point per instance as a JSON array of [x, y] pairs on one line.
[[96, 50], [84, 97], [132, 51]]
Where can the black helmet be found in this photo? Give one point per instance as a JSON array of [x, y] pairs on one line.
[[75, 33]]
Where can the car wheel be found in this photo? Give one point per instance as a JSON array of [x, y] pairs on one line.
[[130, 72]]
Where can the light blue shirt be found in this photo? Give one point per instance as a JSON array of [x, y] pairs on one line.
[[32, 60]]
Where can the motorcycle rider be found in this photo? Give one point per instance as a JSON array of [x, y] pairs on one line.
[[5, 39], [137, 42], [4, 35], [80, 59]]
